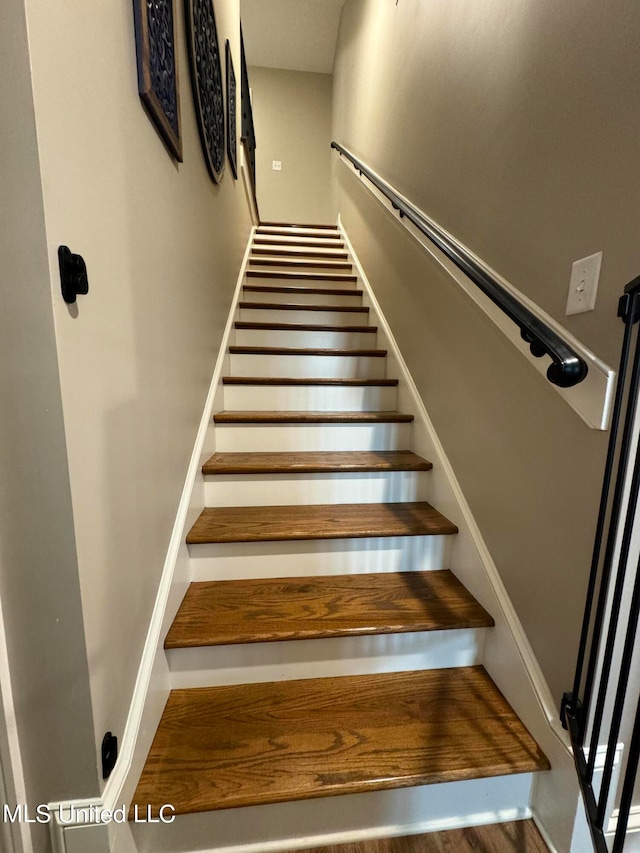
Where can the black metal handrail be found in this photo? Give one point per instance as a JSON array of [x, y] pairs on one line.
[[599, 677], [247, 133], [567, 368]]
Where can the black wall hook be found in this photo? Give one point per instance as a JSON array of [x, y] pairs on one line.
[[73, 274]]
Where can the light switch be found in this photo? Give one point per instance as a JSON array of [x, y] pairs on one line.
[[583, 284]]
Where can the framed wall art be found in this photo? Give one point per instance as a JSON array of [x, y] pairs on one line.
[[206, 82], [232, 141], [158, 69]]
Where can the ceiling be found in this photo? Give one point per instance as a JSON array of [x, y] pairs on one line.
[[299, 35]]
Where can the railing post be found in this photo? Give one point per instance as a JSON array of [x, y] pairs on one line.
[[598, 651]]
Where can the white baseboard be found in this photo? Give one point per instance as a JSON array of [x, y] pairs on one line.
[[153, 683]]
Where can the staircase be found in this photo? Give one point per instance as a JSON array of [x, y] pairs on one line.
[[324, 648]]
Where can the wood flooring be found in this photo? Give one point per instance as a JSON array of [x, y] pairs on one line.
[[520, 836]]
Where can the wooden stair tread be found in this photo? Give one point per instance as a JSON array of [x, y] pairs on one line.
[[303, 327], [286, 231], [311, 380], [215, 613], [320, 263], [288, 288], [330, 241], [315, 462], [320, 351], [300, 252], [269, 224], [317, 521], [241, 745], [305, 417], [301, 306], [298, 276]]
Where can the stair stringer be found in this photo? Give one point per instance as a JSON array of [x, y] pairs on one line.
[[507, 656], [77, 825]]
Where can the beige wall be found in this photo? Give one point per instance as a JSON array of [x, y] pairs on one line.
[[292, 117], [163, 247], [513, 125], [39, 586]]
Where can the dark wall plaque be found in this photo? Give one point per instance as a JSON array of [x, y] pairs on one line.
[[206, 81], [231, 112], [158, 70]]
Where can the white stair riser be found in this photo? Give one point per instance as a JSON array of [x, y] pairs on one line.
[[323, 318], [299, 298], [299, 366], [250, 663], [335, 820], [311, 283], [295, 338], [313, 557], [311, 398], [328, 233], [283, 437], [289, 489]]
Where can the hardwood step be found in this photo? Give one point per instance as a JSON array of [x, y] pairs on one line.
[[289, 380], [304, 327], [288, 288], [329, 241], [302, 225], [242, 745], [297, 252], [301, 306], [324, 521], [285, 263], [357, 353], [298, 231], [321, 462], [302, 417], [218, 613], [338, 277]]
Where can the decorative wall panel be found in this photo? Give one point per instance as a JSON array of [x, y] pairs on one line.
[[206, 82], [232, 142], [157, 69]]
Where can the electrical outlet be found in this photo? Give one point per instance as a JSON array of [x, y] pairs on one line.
[[583, 284], [276, 165]]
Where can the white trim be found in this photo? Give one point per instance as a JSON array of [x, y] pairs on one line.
[[545, 835], [153, 684], [12, 776], [634, 820], [592, 398]]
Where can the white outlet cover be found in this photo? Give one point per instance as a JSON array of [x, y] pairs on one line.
[[276, 165], [583, 285]]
